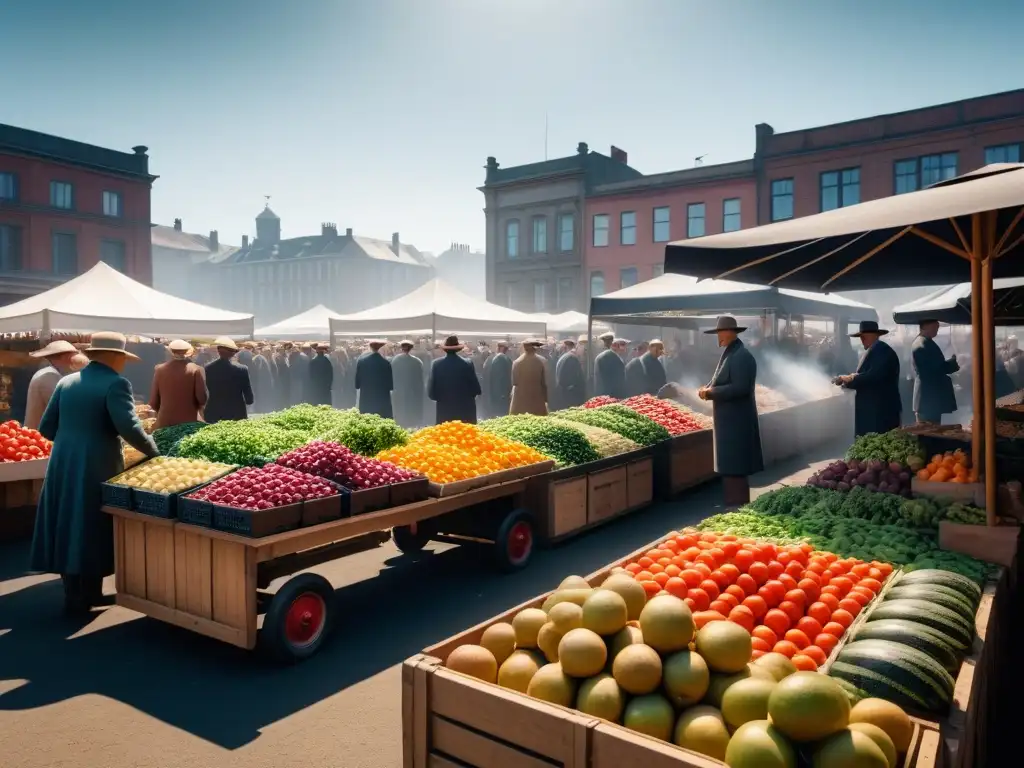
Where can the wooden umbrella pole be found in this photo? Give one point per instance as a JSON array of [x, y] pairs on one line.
[[977, 348], [989, 340]]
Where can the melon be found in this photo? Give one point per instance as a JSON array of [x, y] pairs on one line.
[[624, 637], [576, 596], [808, 706], [566, 616], [574, 582], [630, 590], [881, 738], [527, 624], [517, 671], [849, 749], [758, 744], [500, 640], [605, 612], [887, 716], [475, 661], [637, 669], [720, 683], [651, 715], [747, 700], [685, 677], [702, 730], [600, 696], [667, 624], [780, 666], [725, 646], [553, 685], [548, 639], [582, 653]]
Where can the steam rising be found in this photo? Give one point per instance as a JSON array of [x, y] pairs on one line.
[[800, 380]]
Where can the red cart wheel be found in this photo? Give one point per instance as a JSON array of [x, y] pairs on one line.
[[305, 620], [514, 543], [299, 618]]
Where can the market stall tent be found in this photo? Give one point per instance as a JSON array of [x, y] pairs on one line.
[[952, 305], [104, 299], [437, 309], [311, 324], [568, 322]]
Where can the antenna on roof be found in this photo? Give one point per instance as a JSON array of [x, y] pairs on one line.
[[267, 204], [698, 161], [545, 135]]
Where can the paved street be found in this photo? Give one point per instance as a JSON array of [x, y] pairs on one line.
[[122, 691]]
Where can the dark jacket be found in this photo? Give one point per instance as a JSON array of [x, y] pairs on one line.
[[569, 382], [298, 368], [407, 372], [282, 382], [374, 383], [498, 377], [609, 375], [636, 380], [230, 391], [654, 373], [933, 389], [321, 378], [736, 429], [261, 378], [877, 384], [453, 385]]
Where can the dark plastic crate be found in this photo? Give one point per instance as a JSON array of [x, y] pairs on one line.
[[154, 504], [257, 523], [365, 500], [316, 511], [410, 491], [114, 495], [195, 512]]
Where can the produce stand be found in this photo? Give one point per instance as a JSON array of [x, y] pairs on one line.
[[685, 461], [20, 485]]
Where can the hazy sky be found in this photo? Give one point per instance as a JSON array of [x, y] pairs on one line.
[[379, 114]]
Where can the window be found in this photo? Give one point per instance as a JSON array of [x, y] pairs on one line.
[[540, 234], [10, 248], [627, 276], [658, 270], [731, 219], [112, 204], [627, 228], [566, 229], [112, 253], [510, 294], [935, 168], [61, 195], [8, 186], [782, 199], [1004, 153], [906, 176], [661, 224], [564, 289], [601, 230], [695, 220], [596, 283], [840, 188], [512, 239], [540, 295], [65, 253]]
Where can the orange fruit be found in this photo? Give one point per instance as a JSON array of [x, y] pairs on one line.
[[798, 638], [690, 604], [804, 663], [756, 605], [700, 599], [755, 655], [673, 570], [691, 577], [831, 589], [777, 621], [661, 578], [852, 607], [819, 612], [816, 653], [826, 642], [760, 645], [676, 586], [844, 583], [830, 600], [743, 616], [770, 597], [746, 582], [786, 648], [730, 571], [743, 559], [721, 606], [728, 599], [759, 571], [857, 593], [835, 629], [709, 586], [792, 610], [789, 582], [651, 588], [809, 588], [797, 596], [775, 568], [737, 592], [764, 633], [633, 568], [842, 617], [721, 580], [700, 618], [809, 626], [776, 587], [873, 584]]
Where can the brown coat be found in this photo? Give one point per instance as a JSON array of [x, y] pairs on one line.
[[529, 385], [179, 393]]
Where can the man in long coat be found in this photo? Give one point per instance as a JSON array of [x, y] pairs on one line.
[[609, 370], [453, 385], [261, 377], [933, 389], [407, 372], [654, 370], [736, 429], [282, 377], [636, 381], [321, 377], [877, 383], [298, 369], [228, 385], [530, 381], [374, 382], [570, 384], [498, 381], [178, 394]]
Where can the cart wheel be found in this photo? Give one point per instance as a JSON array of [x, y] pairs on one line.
[[513, 544], [410, 539], [299, 618]]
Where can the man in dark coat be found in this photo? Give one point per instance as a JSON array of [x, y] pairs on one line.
[[453, 385], [933, 389], [261, 377], [282, 377], [228, 383], [569, 380], [876, 382], [609, 370], [654, 370], [636, 380], [298, 369], [736, 430], [321, 377], [374, 382], [498, 379], [407, 372]]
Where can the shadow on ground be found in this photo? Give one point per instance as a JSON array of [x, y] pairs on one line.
[[226, 695]]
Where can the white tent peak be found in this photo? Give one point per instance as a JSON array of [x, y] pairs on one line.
[[312, 323]]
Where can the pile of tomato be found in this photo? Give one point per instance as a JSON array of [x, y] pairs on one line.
[[792, 599], [18, 443], [676, 420], [599, 400]]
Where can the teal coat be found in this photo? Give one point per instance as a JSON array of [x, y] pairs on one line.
[[85, 416]]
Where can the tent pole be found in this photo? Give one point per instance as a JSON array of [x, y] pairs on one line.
[[977, 348], [590, 354], [988, 328]]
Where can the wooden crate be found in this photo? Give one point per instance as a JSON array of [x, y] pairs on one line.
[[996, 544], [566, 506], [607, 494], [639, 483], [18, 500], [691, 460], [965, 493]]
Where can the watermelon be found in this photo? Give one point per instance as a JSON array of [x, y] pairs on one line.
[[930, 641], [960, 583], [934, 593], [923, 612], [918, 675]]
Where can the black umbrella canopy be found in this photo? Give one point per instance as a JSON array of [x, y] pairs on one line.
[[952, 305], [918, 238]]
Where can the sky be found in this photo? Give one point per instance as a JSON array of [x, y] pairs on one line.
[[379, 114]]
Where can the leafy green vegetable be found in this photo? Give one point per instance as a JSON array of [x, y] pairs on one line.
[[618, 419], [312, 419], [559, 440], [365, 433], [606, 442], [249, 442], [894, 446], [167, 438]]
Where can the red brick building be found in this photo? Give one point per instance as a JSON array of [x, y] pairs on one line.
[[64, 206]]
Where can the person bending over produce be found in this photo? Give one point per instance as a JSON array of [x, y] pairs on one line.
[[86, 417], [933, 389], [877, 383], [736, 430]]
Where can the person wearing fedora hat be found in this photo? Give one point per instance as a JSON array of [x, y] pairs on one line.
[[529, 381], [409, 377], [87, 417], [736, 430], [570, 383], [933, 389], [877, 405], [453, 385], [374, 381], [497, 384], [178, 394], [230, 391], [321, 377], [298, 374], [609, 369], [58, 357]]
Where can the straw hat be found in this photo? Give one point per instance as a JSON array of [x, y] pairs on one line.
[[582, 339], [110, 342], [59, 347], [727, 323], [180, 348], [407, 343], [376, 343], [606, 336], [654, 342], [223, 342]]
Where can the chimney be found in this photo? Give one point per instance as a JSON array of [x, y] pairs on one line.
[[396, 244], [177, 225], [348, 231], [214, 240], [582, 148], [329, 229], [245, 241], [619, 155]]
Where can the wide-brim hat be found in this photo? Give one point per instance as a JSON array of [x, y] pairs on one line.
[[452, 344], [727, 323], [533, 343], [376, 343], [604, 336], [868, 326], [59, 347], [582, 339], [181, 347], [407, 343], [109, 342], [223, 342], [621, 341], [928, 321], [654, 342]]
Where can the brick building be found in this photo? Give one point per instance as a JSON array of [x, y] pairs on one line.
[[65, 205]]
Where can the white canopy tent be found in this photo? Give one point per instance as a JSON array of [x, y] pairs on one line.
[[568, 322], [311, 324], [104, 299], [436, 309]]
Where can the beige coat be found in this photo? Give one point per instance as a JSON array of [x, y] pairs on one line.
[[529, 385], [40, 388], [179, 393]]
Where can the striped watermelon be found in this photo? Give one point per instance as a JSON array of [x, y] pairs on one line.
[[956, 581], [934, 593], [904, 669], [930, 641], [931, 615]]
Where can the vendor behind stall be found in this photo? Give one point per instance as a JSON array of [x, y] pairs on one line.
[[933, 389], [58, 355], [877, 383], [609, 369], [653, 367], [86, 417]]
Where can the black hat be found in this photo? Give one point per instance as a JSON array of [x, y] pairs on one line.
[[727, 323], [868, 326], [452, 344], [928, 321]]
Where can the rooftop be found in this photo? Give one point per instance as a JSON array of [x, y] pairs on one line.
[[21, 141], [595, 167], [687, 176]]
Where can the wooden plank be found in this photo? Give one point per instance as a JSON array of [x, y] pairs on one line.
[[567, 506], [249, 602], [229, 572], [160, 565], [230, 635], [993, 544], [196, 551], [439, 761], [473, 748], [612, 746], [606, 494], [639, 483], [135, 558], [119, 555]]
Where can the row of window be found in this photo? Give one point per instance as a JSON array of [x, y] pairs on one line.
[[563, 297], [539, 235], [628, 276], [62, 195], [840, 188], [63, 248]]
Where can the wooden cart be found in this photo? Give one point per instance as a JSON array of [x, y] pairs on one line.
[[214, 583]]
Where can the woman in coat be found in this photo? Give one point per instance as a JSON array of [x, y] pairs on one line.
[[88, 413], [529, 381]]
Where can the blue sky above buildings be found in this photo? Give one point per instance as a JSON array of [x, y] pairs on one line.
[[379, 114]]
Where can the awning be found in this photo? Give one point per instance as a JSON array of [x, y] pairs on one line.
[[953, 305]]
